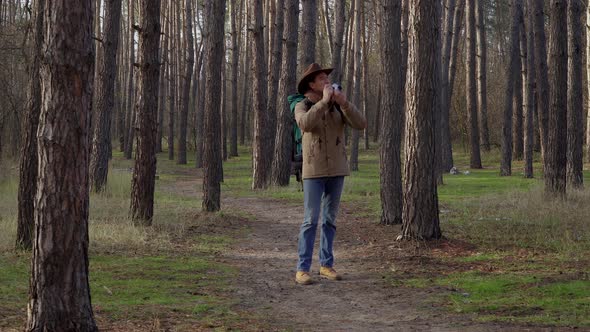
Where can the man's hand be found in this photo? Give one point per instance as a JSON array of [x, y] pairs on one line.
[[328, 93], [339, 97]]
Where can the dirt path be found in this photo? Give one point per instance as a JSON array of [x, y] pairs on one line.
[[362, 301]]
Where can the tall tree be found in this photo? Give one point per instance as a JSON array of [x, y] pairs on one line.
[[529, 134], [146, 107], [130, 114], [172, 47], [471, 88], [517, 128], [186, 83], [420, 203], [28, 162], [588, 78], [275, 54], [214, 22], [541, 72], [356, 91], [482, 91], [391, 117], [575, 97], [59, 293], [162, 87], [260, 165], [235, 58], [556, 155], [101, 142], [512, 73], [308, 32], [281, 163]]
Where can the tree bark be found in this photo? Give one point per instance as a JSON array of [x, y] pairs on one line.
[[482, 91], [356, 94], [235, 58], [214, 22], [130, 118], [173, 49], [28, 162], [512, 73], [541, 71], [261, 169], [186, 86], [420, 203], [474, 153], [529, 130], [588, 79], [274, 71], [59, 293], [575, 97], [556, 158], [517, 129], [391, 116], [339, 20], [99, 158], [308, 32], [162, 85], [281, 164], [146, 107]]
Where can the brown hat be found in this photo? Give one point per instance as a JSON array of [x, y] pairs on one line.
[[309, 74]]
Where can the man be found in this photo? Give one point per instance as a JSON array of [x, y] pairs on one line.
[[322, 116]]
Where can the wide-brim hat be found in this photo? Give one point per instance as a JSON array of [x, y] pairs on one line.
[[309, 74]]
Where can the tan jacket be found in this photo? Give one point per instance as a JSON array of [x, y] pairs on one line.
[[324, 151]]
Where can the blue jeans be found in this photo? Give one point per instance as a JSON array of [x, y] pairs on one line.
[[325, 193]]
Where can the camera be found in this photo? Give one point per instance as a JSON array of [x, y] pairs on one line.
[[337, 86]]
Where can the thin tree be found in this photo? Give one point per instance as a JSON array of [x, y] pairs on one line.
[[529, 134], [588, 79], [235, 58], [130, 114], [556, 155], [541, 72], [101, 142], [186, 82], [512, 72], [482, 91], [356, 83], [146, 107], [281, 164], [275, 53], [59, 293], [575, 97], [261, 169], [214, 22], [28, 162], [391, 117], [517, 128], [162, 86], [420, 203], [471, 88], [172, 65], [339, 21]]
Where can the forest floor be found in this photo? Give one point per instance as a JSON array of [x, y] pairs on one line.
[[367, 299]]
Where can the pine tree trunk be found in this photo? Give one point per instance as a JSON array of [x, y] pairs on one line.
[[391, 116], [273, 78], [474, 153], [59, 293], [354, 149], [588, 79], [130, 116], [512, 73], [308, 32], [482, 92], [575, 97], [261, 171], [420, 203], [529, 130], [517, 129], [214, 21], [235, 58], [281, 164], [28, 162], [541, 73], [146, 107], [556, 157], [448, 85], [339, 20], [186, 83], [173, 49], [162, 85], [99, 158]]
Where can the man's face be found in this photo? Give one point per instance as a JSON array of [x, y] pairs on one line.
[[318, 83]]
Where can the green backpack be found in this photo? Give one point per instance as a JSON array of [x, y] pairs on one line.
[[297, 146]]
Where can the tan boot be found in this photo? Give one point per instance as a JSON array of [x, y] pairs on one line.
[[329, 273], [303, 278]]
